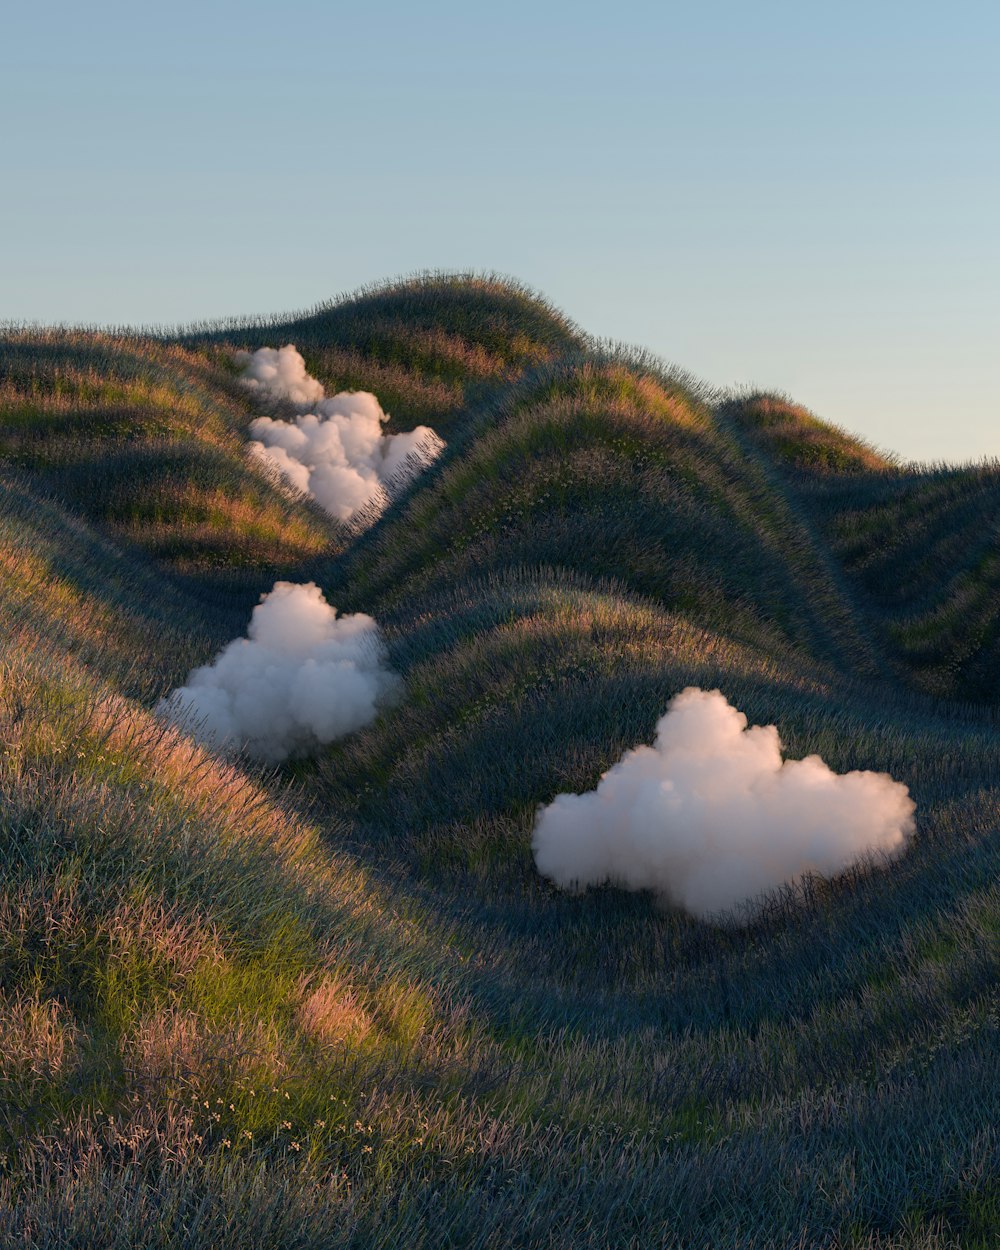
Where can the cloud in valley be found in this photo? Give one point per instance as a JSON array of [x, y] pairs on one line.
[[303, 677], [710, 816], [335, 449]]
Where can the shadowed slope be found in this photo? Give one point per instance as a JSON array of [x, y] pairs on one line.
[[68, 589], [920, 547], [924, 548]]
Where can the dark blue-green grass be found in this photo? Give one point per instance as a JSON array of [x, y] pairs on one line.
[[544, 1070], [148, 441], [917, 545]]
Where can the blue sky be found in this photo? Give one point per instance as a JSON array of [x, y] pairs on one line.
[[799, 196]]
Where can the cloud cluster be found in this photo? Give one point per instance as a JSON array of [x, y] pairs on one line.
[[710, 816], [301, 678], [335, 449]]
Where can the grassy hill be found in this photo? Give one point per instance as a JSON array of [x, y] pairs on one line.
[[425, 346], [148, 441], [918, 546], [334, 1005]]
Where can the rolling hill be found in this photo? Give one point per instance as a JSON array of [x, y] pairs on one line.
[[333, 1004]]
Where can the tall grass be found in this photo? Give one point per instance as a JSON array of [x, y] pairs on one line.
[[917, 544], [150, 442], [335, 1006]]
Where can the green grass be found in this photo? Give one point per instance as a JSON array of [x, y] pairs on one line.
[[917, 546], [335, 1005], [149, 442]]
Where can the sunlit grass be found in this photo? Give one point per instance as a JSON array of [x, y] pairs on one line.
[[336, 1006]]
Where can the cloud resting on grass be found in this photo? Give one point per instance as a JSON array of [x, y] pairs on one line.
[[302, 677], [710, 816], [335, 449]]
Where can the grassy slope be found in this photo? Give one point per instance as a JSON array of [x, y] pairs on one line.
[[426, 347], [149, 441], [917, 545], [406, 1037]]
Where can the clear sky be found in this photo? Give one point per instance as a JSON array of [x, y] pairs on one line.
[[800, 196]]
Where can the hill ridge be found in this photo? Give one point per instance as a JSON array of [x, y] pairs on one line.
[[334, 1004]]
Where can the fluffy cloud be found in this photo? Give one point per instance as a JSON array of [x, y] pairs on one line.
[[711, 816], [302, 677], [335, 450]]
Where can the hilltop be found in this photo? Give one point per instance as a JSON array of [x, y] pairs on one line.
[[332, 1003]]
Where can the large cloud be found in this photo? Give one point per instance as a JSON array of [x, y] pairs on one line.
[[335, 449], [710, 816], [301, 678]]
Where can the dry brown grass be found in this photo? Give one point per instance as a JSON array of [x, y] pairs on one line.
[[38, 1038], [330, 1012], [176, 1047], [797, 438]]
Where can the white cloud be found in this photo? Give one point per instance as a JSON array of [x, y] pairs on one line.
[[335, 449], [710, 816], [302, 677]]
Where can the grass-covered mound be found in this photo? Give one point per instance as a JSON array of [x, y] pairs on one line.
[[608, 466], [917, 545], [425, 346], [149, 441], [66, 588], [922, 549], [796, 440], [336, 1006]]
